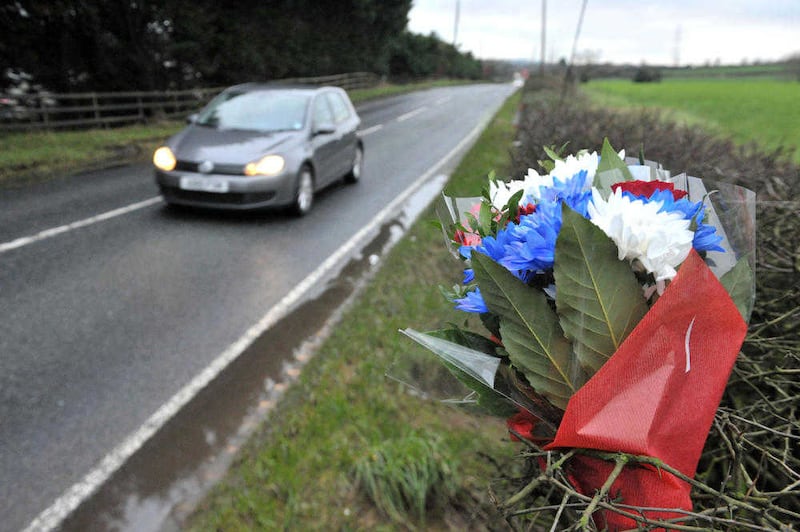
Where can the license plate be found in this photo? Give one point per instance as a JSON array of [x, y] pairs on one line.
[[204, 184]]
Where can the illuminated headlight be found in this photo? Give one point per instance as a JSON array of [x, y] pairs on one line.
[[164, 159], [269, 165]]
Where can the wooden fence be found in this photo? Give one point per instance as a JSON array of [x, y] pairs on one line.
[[105, 109]]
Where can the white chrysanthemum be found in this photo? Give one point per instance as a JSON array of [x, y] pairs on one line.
[[500, 192], [564, 169], [533, 183], [659, 240]]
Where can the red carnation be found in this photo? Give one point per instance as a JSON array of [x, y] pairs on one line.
[[648, 188], [466, 238], [525, 210]]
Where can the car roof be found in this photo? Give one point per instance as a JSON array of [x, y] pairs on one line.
[[277, 86]]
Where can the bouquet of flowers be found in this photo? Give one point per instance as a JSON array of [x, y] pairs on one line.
[[615, 301]]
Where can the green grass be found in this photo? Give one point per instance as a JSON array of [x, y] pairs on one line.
[[761, 110], [299, 470], [405, 477], [44, 154]]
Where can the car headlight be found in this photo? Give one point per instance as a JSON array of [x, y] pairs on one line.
[[268, 165], [164, 159]]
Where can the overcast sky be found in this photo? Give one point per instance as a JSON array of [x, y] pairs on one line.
[[632, 31]]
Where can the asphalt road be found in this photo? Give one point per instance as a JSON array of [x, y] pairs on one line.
[[104, 320]]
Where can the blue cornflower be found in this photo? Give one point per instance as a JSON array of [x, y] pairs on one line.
[[567, 190], [573, 191], [472, 302], [705, 236], [528, 245], [494, 246], [469, 275]]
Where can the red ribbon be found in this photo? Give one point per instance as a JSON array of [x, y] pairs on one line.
[[657, 396]]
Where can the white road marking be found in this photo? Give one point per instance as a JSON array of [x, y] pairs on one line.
[[686, 346], [415, 112], [370, 130], [440, 101], [47, 233], [73, 496]]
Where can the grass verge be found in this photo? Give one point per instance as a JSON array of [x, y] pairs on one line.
[[39, 155], [299, 469]]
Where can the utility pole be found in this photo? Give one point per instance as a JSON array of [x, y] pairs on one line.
[[455, 28], [544, 35], [676, 52]]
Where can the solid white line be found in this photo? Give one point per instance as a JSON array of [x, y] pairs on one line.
[[70, 499], [403, 118], [47, 233], [370, 130]]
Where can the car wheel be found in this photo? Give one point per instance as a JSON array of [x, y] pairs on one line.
[[304, 194], [354, 175]]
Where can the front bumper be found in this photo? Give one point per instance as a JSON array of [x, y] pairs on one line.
[[219, 191]]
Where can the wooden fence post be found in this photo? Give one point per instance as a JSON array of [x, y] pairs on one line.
[[43, 107], [95, 107]]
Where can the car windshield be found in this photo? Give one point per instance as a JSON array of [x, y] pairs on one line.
[[256, 111]]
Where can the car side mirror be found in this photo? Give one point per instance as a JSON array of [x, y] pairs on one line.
[[325, 128], [192, 118]]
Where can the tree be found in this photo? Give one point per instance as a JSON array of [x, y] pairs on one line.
[[108, 45]]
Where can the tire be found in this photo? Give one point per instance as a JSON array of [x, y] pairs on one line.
[[304, 192], [354, 175]]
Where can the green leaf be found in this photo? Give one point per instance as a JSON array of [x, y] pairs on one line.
[[547, 165], [598, 298], [530, 332], [611, 169], [552, 153], [486, 217], [738, 281]]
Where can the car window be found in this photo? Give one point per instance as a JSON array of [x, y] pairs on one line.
[[322, 112], [256, 111], [341, 111]]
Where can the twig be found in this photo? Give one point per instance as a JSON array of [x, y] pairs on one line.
[[620, 461], [558, 513], [524, 492]]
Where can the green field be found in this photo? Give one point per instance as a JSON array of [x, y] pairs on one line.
[[765, 111]]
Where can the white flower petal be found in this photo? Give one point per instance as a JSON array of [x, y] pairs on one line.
[[660, 241]]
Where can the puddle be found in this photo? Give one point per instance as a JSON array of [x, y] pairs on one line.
[[157, 488]]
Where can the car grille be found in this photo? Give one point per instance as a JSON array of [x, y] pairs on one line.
[[224, 169], [229, 198]]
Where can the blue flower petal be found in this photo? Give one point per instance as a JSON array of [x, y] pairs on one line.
[[469, 275], [473, 302]]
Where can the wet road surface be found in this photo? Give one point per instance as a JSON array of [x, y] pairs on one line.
[[107, 319]]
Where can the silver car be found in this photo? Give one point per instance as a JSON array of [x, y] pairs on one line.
[[257, 146]]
